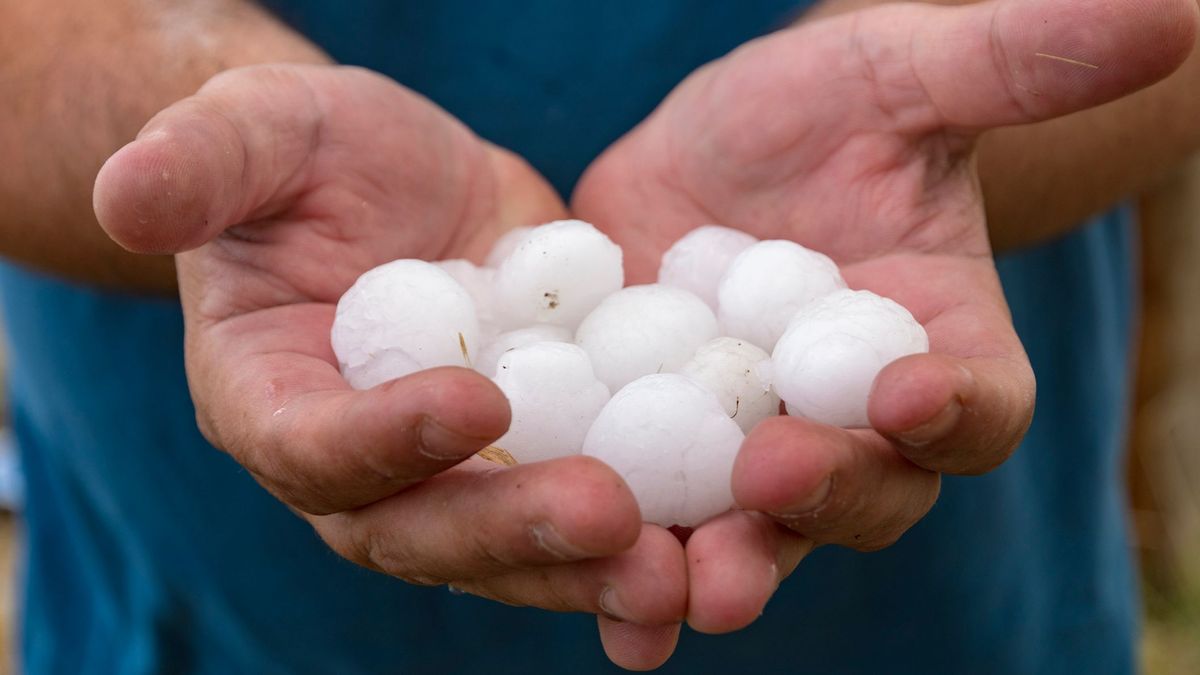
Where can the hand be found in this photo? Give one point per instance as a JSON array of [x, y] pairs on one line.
[[278, 186], [855, 136]]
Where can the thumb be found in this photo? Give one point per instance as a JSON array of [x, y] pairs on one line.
[[229, 153], [1019, 61]]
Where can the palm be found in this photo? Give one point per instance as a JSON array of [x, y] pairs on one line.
[[367, 173], [280, 186], [855, 136]]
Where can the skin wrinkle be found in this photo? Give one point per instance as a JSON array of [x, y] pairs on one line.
[[1003, 65]]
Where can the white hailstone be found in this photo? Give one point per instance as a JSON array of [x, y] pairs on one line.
[[554, 396], [826, 362], [384, 365], [768, 283], [505, 245], [674, 445], [641, 330], [732, 369], [406, 305], [479, 282], [698, 259], [489, 357], [557, 274]]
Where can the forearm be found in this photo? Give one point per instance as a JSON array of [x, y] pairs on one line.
[[78, 79], [1041, 180]]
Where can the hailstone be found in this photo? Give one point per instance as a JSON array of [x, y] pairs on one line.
[[646, 329], [382, 366], [674, 445], [489, 357], [554, 396], [409, 306], [479, 282], [730, 368], [557, 274], [505, 245], [698, 259], [826, 362], [768, 283]]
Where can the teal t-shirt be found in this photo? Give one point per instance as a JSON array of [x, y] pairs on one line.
[[147, 551]]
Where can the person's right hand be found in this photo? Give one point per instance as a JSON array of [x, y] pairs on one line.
[[278, 186]]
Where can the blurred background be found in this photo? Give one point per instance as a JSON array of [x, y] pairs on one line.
[[1164, 441], [1164, 462]]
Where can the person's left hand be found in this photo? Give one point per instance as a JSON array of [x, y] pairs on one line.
[[855, 136]]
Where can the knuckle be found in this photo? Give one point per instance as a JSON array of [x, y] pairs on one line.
[[375, 550]]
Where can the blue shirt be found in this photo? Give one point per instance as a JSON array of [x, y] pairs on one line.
[[149, 551]]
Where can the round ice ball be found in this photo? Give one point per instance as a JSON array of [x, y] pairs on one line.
[[383, 365], [769, 282], [731, 369], [674, 445], [479, 282], [407, 305], [505, 245], [489, 357], [646, 329], [557, 274], [826, 362], [554, 396], [699, 258]]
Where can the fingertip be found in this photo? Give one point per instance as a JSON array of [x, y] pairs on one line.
[[467, 405], [154, 195], [783, 463], [954, 415], [597, 512], [1076, 55], [647, 584], [732, 573], [634, 647], [918, 399]]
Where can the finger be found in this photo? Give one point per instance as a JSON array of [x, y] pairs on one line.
[[954, 415], [245, 146], [735, 563], [268, 392], [210, 160], [469, 523], [964, 407], [645, 585], [832, 485], [635, 647], [1019, 61]]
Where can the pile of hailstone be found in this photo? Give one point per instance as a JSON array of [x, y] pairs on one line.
[[661, 381]]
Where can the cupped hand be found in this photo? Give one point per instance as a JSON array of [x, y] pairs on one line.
[[855, 136], [277, 186]]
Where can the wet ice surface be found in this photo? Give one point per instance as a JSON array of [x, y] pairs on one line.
[[642, 330], [554, 396], [826, 362], [406, 305], [674, 445], [489, 356], [697, 261], [557, 274], [767, 283], [730, 368]]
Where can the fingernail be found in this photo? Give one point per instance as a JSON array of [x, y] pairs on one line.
[[813, 500], [437, 442], [935, 427], [547, 538], [611, 605]]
